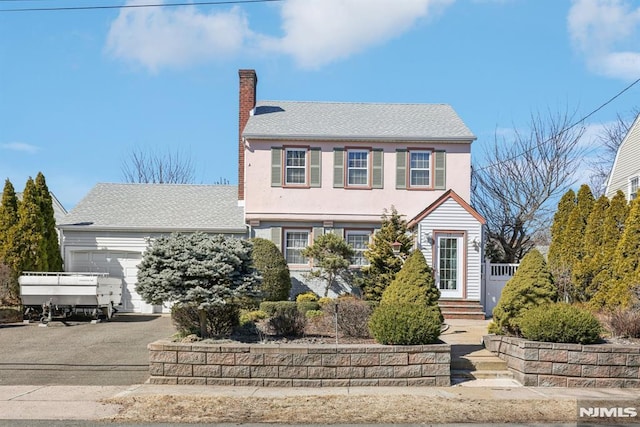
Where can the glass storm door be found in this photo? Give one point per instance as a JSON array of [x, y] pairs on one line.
[[449, 274]]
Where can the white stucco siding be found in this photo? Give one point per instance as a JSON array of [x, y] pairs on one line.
[[627, 162], [451, 217]]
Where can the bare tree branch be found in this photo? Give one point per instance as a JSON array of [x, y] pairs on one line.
[[158, 167], [515, 190]]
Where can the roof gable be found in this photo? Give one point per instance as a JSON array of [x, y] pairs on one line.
[[449, 194], [626, 163], [356, 121], [171, 207]]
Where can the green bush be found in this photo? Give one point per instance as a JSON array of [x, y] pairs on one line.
[[305, 306], [405, 324], [270, 307], [531, 286], [314, 314], [324, 301], [269, 261], [220, 321], [252, 316], [284, 318], [560, 322], [307, 297]]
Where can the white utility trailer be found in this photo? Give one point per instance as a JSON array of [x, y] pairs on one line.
[[48, 295]]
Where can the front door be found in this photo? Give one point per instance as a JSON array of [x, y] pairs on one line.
[[449, 263]]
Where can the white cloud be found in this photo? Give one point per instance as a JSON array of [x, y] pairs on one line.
[[317, 32], [157, 37], [20, 146], [607, 34]]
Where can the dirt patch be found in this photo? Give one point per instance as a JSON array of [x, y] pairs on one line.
[[403, 409]]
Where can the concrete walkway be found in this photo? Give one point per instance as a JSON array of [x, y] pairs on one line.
[[53, 402]]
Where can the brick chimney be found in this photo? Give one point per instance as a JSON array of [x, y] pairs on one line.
[[248, 84]]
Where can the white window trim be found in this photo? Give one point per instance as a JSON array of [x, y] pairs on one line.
[[367, 233], [429, 169], [366, 168], [285, 240], [633, 194], [287, 167]]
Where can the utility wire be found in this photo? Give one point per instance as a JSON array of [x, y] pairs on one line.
[[129, 6], [568, 128]]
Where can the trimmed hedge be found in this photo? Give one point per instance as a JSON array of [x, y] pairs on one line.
[[405, 324], [560, 323]]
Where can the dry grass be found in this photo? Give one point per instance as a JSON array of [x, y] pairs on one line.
[[376, 409]]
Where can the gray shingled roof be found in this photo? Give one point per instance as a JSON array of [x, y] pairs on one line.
[[159, 207], [356, 121]]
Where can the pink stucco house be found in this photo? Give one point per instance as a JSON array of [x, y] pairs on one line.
[[308, 168]]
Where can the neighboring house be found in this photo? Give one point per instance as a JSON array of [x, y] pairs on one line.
[[308, 168], [625, 173], [111, 226]]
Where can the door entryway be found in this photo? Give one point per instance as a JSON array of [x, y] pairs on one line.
[[450, 265]]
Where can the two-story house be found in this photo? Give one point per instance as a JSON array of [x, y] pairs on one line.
[[308, 168], [625, 173]]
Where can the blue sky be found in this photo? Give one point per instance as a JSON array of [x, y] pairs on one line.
[[79, 90]]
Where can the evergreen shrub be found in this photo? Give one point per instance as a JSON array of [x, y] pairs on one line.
[[305, 306], [560, 323], [285, 319], [307, 297], [314, 314], [220, 320], [531, 286], [252, 316], [405, 324], [270, 263]]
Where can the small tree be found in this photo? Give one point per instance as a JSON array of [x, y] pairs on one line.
[[414, 284], [52, 248], [270, 263], [383, 263], [200, 269], [332, 257], [531, 286]]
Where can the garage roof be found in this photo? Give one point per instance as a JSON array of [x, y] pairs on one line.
[[168, 207]]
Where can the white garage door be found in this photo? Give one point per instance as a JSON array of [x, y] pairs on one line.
[[119, 264]]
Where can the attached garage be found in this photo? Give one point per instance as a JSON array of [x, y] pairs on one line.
[[109, 230]]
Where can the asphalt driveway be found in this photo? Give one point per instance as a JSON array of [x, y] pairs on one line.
[[79, 352]]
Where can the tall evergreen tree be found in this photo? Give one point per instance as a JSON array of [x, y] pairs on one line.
[[603, 262], [625, 285], [383, 263], [559, 253], [54, 259], [32, 248], [588, 267], [9, 250]]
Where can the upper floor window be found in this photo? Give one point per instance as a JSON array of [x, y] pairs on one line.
[[294, 242], [634, 184], [296, 166], [359, 241], [420, 168], [357, 167]]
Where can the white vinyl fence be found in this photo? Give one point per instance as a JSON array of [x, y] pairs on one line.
[[495, 277]]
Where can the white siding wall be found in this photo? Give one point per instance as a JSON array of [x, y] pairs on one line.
[[450, 216], [627, 162]]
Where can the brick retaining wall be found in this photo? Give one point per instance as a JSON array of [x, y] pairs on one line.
[[286, 365], [546, 364]]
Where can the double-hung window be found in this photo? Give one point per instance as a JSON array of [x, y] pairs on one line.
[[420, 169], [294, 242], [359, 241], [634, 184], [358, 168], [295, 166]]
